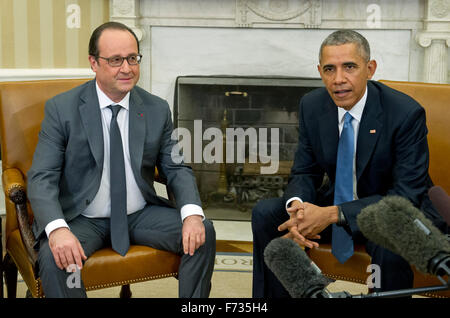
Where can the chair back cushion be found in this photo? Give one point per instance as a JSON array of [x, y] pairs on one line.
[[21, 113], [435, 98]]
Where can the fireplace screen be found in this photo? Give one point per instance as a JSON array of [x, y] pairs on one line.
[[239, 134]]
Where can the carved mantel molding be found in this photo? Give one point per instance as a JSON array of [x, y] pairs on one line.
[[435, 38], [426, 38], [303, 13], [127, 12], [439, 9]]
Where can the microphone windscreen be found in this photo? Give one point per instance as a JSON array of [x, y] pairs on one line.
[[293, 268], [368, 226], [397, 225], [441, 201]]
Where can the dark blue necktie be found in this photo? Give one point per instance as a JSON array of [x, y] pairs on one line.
[[342, 243], [120, 240]]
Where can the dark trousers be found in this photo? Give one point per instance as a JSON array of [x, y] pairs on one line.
[[267, 215], [155, 226]]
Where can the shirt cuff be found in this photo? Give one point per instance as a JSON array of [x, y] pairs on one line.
[[292, 199], [191, 209], [53, 225]]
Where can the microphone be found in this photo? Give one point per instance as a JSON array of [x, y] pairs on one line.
[[303, 279], [441, 201], [397, 225], [295, 271]]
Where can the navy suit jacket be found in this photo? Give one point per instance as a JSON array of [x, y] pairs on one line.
[[392, 155], [68, 161]]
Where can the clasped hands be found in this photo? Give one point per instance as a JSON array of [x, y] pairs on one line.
[[306, 221]]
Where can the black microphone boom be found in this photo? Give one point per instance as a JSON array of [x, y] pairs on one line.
[[397, 225]]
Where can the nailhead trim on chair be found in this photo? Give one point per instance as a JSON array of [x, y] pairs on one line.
[[345, 278], [131, 281], [12, 187], [433, 295], [40, 293]]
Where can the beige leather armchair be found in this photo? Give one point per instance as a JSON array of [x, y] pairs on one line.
[[21, 113]]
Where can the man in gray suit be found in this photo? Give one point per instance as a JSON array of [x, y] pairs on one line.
[[73, 183]]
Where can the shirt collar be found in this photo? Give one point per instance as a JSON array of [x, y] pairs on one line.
[[104, 101], [356, 110]]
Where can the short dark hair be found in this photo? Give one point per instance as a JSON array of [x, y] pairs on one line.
[[341, 37], [93, 42]]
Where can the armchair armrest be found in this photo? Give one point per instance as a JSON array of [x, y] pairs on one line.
[[441, 201], [14, 186], [159, 178]]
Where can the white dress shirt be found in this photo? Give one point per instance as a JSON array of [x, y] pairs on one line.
[[100, 207], [356, 113]]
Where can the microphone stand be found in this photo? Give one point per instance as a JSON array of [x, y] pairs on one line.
[[396, 293], [439, 265], [404, 292]]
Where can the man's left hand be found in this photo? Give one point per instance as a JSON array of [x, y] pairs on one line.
[[316, 219], [193, 233]]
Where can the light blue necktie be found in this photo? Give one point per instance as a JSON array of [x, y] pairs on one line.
[[120, 240], [342, 243]]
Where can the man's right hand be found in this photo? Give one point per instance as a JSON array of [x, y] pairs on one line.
[[66, 248]]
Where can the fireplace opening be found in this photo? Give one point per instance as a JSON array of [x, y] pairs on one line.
[[239, 135]]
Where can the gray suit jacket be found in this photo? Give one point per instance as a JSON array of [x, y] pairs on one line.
[[67, 164]]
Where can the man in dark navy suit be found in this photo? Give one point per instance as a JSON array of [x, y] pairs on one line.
[[369, 141]]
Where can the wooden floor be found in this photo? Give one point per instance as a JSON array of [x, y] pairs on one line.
[[225, 246]]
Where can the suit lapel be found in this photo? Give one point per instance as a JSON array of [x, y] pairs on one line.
[[136, 131], [329, 133], [89, 109], [369, 129]]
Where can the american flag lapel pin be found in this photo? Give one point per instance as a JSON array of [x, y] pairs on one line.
[[373, 131]]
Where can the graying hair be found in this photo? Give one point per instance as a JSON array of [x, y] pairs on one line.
[[341, 37]]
